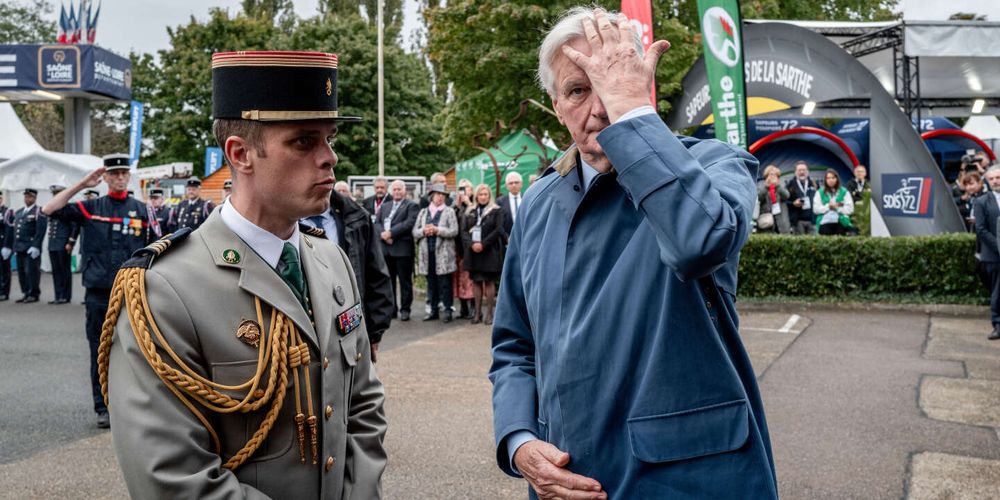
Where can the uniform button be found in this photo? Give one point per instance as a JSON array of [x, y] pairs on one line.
[[329, 412], [357, 357], [326, 362], [329, 463]]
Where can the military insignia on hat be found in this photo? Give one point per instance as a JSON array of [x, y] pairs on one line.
[[118, 161], [275, 86], [349, 320], [231, 256], [338, 295], [249, 332]]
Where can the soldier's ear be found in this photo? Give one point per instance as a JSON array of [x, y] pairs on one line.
[[237, 151]]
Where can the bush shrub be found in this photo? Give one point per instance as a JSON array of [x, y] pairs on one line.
[[939, 268]]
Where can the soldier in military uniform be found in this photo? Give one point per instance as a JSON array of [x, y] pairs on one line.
[[24, 239], [6, 219], [113, 226], [193, 210], [227, 189], [162, 212], [91, 194], [62, 239], [261, 315]]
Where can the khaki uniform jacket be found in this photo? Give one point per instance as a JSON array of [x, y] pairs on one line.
[[198, 299]]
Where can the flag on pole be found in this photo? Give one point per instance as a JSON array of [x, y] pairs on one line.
[[722, 37], [640, 14], [61, 37], [73, 25], [92, 25]]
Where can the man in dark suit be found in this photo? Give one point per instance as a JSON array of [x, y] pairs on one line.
[[62, 239], [395, 219], [986, 210], [373, 203], [802, 189], [509, 203], [349, 226]]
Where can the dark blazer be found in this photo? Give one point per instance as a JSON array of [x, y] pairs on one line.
[[796, 214], [401, 228], [359, 239], [369, 203], [490, 260], [987, 214], [507, 218]]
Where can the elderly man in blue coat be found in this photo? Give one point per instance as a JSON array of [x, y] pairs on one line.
[[618, 371]]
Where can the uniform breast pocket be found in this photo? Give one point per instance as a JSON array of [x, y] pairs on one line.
[[235, 429]]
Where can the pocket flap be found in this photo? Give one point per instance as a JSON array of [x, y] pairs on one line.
[[349, 346], [688, 434]]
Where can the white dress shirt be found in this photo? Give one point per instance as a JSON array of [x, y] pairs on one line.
[[264, 243]]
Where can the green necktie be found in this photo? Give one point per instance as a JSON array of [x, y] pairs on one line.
[[291, 272]]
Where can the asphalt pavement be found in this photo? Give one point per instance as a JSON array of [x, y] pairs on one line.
[[860, 404]]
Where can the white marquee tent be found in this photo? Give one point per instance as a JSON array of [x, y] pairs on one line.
[[15, 140], [987, 128]]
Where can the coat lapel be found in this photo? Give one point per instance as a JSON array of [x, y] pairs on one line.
[[256, 276], [319, 276]]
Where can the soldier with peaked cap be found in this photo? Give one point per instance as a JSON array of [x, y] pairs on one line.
[[240, 363], [162, 212], [193, 210], [6, 218], [24, 239], [112, 226], [62, 239], [227, 189]]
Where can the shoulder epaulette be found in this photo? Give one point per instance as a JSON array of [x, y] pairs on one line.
[[312, 231], [144, 256]]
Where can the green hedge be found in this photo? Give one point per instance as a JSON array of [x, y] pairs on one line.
[[921, 269]]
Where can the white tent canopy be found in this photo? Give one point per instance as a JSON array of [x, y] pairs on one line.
[[41, 169], [986, 128], [15, 140]]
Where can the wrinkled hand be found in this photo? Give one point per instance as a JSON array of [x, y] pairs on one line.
[[34, 252], [543, 466], [5, 253], [374, 352], [617, 73], [93, 178]]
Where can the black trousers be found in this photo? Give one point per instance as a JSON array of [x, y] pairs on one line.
[[29, 274], [438, 286], [992, 272], [5, 277], [62, 275], [96, 302], [401, 270]]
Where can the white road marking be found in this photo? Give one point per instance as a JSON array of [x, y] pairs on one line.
[[790, 323]]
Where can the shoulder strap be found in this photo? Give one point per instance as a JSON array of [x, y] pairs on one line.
[[143, 258]]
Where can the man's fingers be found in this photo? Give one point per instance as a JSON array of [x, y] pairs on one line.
[[625, 32], [609, 33], [570, 494], [575, 55], [590, 31], [653, 54], [575, 481], [554, 455]]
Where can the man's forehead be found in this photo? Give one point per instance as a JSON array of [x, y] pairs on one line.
[[566, 69]]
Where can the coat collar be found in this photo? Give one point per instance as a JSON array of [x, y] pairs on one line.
[[565, 164], [256, 276]]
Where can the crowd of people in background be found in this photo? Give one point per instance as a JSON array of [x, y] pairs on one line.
[[803, 206]]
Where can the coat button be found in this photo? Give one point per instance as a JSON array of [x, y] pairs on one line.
[[329, 463], [326, 362], [329, 412], [357, 357]]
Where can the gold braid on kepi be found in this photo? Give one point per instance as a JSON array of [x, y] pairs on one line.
[[280, 351]]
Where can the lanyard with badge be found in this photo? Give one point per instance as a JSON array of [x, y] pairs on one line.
[[477, 230], [804, 188], [387, 223]]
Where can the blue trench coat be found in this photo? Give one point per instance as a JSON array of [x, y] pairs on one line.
[[616, 335]]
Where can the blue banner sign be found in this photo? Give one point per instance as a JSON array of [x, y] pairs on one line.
[[135, 132], [65, 68], [213, 160], [907, 195]]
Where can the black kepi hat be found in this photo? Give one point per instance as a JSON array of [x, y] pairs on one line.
[[31, 191], [117, 161], [91, 192], [194, 182], [275, 86], [227, 184], [155, 192]]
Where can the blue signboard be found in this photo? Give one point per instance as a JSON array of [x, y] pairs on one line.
[[907, 195], [56, 68], [135, 132], [213, 160]]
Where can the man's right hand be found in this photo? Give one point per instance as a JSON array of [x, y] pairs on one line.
[[543, 466], [93, 179], [797, 203]]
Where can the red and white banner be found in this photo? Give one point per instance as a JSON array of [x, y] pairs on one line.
[[640, 14]]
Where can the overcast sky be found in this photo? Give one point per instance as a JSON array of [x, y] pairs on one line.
[[142, 24]]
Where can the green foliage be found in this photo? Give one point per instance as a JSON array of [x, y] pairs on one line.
[[177, 90], [862, 218], [937, 268], [26, 22]]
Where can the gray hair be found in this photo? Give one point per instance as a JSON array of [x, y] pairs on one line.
[[398, 181], [568, 28], [379, 179], [512, 175], [994, 168]]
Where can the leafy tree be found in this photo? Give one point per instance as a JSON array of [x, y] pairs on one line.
[[26, 22]]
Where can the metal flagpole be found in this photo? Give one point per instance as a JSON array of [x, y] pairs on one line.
[[381, 96]]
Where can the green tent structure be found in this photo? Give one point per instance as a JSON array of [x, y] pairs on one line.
[[517, 151]]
